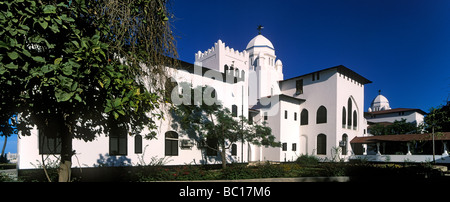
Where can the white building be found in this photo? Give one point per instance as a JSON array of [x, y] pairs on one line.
[[381, 112], [316, 113]]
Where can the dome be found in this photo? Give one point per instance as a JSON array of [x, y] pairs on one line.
[[260, 41], [380, 103]]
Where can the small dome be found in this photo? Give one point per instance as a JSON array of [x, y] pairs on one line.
[[260, 41], [380, 103], [278, 62]]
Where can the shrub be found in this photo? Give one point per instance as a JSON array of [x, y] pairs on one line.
[[307, 160]]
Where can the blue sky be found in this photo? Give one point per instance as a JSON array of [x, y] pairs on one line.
[[402, 46]]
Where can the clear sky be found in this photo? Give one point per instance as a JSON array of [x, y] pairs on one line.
[[402, 46]]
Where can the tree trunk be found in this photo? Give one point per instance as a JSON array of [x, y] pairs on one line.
[[64, 171], [4, 145], [224, 158]]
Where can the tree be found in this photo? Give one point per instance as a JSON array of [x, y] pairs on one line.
[[215, 127], [438, 119], [78, 69], [6, 130], [398, 127]]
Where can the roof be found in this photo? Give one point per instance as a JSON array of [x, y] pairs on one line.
[[341, 69], [280, 97], [259, 41], [400, 138], [396, 110]]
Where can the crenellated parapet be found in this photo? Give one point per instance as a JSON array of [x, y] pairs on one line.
[[220, 47]]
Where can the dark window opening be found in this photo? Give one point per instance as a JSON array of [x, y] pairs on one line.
[[171, 143], [321, 144], [321, 115], [299, 87], [304, 117]]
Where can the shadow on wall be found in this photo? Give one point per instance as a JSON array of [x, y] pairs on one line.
[[112, 161]]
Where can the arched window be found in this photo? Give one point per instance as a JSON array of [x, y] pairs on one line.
[[321, 144], [349, 112], [344, 117], [226, 69], [321, 115], [304, 117], [138, 144], [233, 150], [234, 110], [343, 144], [171, 143], [355, 120]]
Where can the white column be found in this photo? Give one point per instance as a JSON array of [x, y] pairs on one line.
[[445, 154], [378, 148], [409, 150]]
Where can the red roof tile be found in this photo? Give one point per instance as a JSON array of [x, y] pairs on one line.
[[401, 138]]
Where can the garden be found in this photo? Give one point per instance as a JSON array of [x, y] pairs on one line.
[[304, 166]]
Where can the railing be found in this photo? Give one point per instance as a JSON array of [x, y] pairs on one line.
[[403, 158]]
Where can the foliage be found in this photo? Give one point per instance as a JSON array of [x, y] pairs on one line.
[[205, 122], [398, 127], [307, 160], [439, 118], [64, 66]]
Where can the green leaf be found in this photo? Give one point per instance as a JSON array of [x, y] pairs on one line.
[[13, 55], [12, 66], [49, 9], [38, 59], [43, 24], [57, 61], [2, 69], [65, 18], [116, 115], [117, 102], [62, 96], [77, 97], [26, 52], [46, 69]]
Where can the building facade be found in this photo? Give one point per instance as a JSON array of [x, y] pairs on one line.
[[316, 114]]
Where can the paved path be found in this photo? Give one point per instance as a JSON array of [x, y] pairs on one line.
[[12, 173], [296, 179]]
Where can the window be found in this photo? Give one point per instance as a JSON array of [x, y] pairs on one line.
[[321, 115], [284, 146], [265, 116], [344, 117], [295, 116], [321, 144], [285, 114], [349, 113], [233, 150], [343, 144], [294, 146], [138, 144], [250, 119], [171, 143], [355, 120], [234, 111], [49, 143], [304, 117], [299, 87], [118, 141], [211, 149], [318, 75]]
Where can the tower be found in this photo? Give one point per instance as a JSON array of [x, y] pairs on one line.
[[264, 65]]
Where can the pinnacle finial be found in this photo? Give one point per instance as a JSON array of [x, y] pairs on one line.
[[379, 92], [260, 27]]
